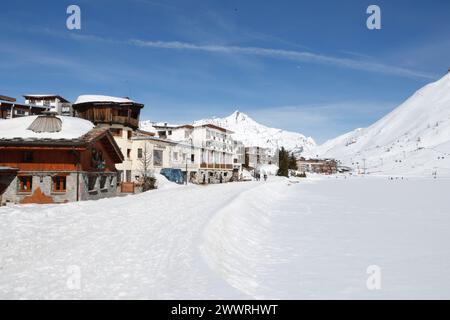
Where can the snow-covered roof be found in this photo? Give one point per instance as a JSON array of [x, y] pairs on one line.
[[38, 96], [99, 98], [71, 128]]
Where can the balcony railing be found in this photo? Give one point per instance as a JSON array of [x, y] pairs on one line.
[[205, 165], [125, 121]]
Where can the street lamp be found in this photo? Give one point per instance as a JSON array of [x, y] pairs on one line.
[[192, 150]]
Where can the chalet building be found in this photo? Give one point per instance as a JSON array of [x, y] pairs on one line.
[[321, 166], [56, 159], [52, 102], [9, 108], [121, 116]]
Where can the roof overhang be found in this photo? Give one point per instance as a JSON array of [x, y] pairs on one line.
[[45, 96]]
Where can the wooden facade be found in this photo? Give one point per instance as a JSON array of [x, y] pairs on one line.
[[43, 171], [126, 114], [10, 110]]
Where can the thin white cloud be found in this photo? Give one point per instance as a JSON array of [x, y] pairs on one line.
[[302, 56], [357, 63]]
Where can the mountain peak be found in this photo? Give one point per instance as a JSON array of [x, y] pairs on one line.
[[411, 139], [252, 133]]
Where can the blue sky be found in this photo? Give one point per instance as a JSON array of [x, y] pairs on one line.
[[306, 66]]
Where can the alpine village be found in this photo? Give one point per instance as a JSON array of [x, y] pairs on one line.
[[55, 151]]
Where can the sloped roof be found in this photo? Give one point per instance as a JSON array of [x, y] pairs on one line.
[[100, 98], [95, 134], [43, 96], [71, 128]]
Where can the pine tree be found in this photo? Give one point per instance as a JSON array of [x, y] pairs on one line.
[[283, 157], [292, 162]]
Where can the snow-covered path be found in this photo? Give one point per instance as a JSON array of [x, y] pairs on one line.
[[311, 238]]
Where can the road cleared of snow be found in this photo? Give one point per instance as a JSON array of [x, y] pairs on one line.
[[312, 238]]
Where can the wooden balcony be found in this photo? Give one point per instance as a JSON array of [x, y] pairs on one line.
[[126, 121], [205, 165]]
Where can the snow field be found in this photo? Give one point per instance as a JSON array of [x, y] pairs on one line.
[[296, 238]]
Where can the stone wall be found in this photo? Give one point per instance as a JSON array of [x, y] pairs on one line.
[[42, 189]]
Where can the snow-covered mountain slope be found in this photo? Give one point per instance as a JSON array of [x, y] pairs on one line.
[[252, 133], [412, 139]]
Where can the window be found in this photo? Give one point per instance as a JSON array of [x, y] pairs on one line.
[[170, 132], [116, 132], [157, 158], [128, 175], [128, 153], [59, 184], [28, 156], [119, 176], [192, 157], [175, 156], [25, 183], [103, 182], [123, 113], [129, 134], [91, 182], [139, 155]]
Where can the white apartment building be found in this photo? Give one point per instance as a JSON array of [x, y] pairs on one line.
[[238, 157], [52, 102], [149, 155], [212, 150], [256, 156], [153, 154]]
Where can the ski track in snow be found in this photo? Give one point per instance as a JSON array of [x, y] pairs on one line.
[[310, 238]]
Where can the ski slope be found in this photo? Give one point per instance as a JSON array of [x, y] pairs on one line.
[[413, 139], [311, 238]]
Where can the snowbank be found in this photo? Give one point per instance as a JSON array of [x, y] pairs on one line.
[[163, 184], [269, 169]]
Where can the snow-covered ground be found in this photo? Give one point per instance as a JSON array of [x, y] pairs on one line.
[[310, 238]]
